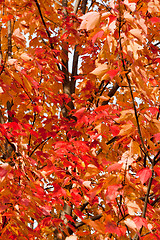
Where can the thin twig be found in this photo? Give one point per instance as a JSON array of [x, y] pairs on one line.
[[47, 31], [158, 113], [76, 5], [129, 83], [93, 1], [155, 201], [34, 119], [111, 93], [81, 209], [79, 224], [123, 216], [136, 237], [44, 141]]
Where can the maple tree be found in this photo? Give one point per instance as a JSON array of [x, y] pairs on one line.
[[79, 119]]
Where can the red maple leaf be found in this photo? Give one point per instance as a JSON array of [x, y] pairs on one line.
[[144, 174]]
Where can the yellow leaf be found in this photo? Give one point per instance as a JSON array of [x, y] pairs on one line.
[[6, 79], [136, 33], [126, 159], [126, 129], [130, 223], [133, 207], [104, 98], [17, 78], [12, 61], [19, 37], [90, 20], [131, 6], [71, 238], [128, 17], [98, 128], [142, 24], [125, 115], [27, 84], [26, 57], [157, 124], [99, 227], [133, 47], [100, 70], [134, 148]]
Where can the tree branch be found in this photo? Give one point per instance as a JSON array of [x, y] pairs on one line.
[[84, 4], [111, 93], [74, 69], [129, 83], [30, 136], [123, 217], [136, 237], [79, 224], [47, 31], [76, 6], [9, 40], [155, 201], [1, 56], [44, 141]]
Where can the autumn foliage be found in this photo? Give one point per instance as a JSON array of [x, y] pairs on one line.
[[79, 119]]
